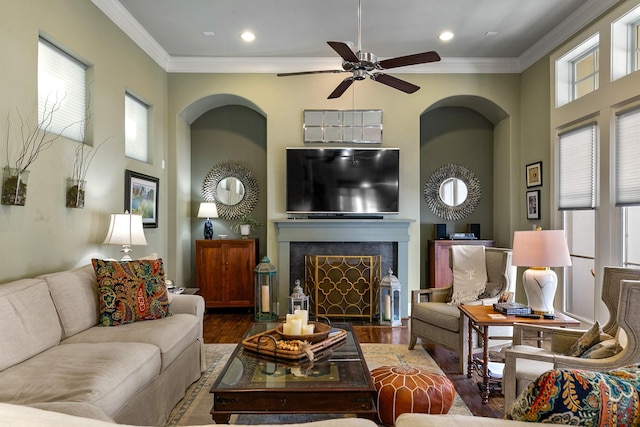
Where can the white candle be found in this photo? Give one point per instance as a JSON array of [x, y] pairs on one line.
[[303, 315], [308, 329], [289, 317], [286, 329], [265, 299], [387, 307], [296, 326]]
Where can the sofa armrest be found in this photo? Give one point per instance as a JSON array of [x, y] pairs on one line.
[[187, 304], [430, 295]]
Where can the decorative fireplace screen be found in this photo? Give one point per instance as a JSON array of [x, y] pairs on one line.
[[343, 286]]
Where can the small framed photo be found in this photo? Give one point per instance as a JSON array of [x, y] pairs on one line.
[[533, 204], [534, 174], [141, 197]]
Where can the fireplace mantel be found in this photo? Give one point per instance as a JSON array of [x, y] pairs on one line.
[[343, 230]]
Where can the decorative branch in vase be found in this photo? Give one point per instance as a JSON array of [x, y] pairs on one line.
[[84, 155], [34, 140]]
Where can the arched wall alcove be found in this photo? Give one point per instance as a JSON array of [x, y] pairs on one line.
[[460, 130], [221, 128]]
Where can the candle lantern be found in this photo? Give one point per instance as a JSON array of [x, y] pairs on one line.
[[266, 291], [390, 300], [298, 300]]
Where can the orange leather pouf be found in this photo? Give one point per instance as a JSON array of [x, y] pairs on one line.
[[405, 389]]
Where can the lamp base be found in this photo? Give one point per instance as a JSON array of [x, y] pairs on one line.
[[540, 286], [208, 229]]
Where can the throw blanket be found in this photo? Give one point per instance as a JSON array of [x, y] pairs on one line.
[[469, 273]]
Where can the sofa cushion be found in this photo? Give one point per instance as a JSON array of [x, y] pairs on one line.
[[441, 314], [172, 335], [106, 375], [579, 397], [129, 291], [28, 320], [75, 296]]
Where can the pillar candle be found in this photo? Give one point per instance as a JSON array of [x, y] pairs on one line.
[[303, 315], [289, 317], [296, 326], [308, 329], [387, 307], [286, 329], [265, 299]]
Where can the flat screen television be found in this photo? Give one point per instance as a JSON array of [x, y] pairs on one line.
[[342, 181]]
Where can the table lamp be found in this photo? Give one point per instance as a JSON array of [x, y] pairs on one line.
[[208, 210], [125, 229], [539, 250]]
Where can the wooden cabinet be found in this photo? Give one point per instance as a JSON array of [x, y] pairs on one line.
[[224, 271], [440, 274]]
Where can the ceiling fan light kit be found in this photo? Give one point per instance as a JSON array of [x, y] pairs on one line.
[[362, 64]]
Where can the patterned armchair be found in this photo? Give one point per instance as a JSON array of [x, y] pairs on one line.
[[524, 363], [434, 320]]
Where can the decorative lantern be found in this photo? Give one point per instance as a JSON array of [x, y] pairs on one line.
[[266, 291], [298, 300], [390, 300]]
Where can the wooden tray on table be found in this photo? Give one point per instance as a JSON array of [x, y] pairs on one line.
[[265, 343]]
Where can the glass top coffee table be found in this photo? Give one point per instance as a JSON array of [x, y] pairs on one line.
[[337, 382]]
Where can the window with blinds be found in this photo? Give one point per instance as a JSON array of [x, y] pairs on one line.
[[577, 168], [61, 92], [627, 173], [136, 125]]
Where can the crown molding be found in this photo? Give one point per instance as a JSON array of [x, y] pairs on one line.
[[580, 18], [283, 65], [132, 28], [583, 16]]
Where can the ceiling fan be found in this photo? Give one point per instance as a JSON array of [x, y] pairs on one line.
[[362, 64]]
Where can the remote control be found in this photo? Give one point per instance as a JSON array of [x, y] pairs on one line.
[[529, 316]]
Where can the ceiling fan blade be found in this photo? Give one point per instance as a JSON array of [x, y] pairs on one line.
[[402, 61], [342, 87], [344, 51], [394, 82], [299, 73]]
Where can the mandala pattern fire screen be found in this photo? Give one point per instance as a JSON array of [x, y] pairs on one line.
[[343, 286]]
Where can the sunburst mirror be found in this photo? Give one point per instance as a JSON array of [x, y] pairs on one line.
[[233, 188], [452, 192]]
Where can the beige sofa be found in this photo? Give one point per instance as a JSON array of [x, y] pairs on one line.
[[54, 356]]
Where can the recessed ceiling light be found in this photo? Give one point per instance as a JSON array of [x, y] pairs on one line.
[[491, 33], [445, 36], [248, 36], [207, 33]]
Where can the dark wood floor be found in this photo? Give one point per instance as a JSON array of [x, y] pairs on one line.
[[230, 326]]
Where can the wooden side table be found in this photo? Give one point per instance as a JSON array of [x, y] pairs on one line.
[[480, 317]]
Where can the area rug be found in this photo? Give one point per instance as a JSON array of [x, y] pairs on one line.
[[194, 408]]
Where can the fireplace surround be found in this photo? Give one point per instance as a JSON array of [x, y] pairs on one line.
[[386, 236]]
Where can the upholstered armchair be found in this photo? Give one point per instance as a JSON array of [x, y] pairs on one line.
[[525, 363], [435, 320]]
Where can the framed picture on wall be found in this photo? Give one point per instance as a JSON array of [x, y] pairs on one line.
[[534, 174], [533, 204], [141, 197]]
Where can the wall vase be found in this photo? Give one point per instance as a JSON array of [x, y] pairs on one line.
[[75, 193], [14, 186]]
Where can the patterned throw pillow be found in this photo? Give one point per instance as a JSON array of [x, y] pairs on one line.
[[130, 291], [584, 398], [586, 341]]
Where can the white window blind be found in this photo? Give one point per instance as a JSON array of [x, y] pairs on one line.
[[61, 92], [577, 168], [136, 124], [627, 154]]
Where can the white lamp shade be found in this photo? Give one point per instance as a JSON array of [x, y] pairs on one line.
[[208, 210], [125, 229], [543, 248]]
